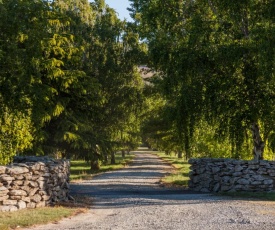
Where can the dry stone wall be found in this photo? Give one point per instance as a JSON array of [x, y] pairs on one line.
[[229, 175], [32, 182]]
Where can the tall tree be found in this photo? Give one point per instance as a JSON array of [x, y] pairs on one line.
[[215, 63], [70, 68]]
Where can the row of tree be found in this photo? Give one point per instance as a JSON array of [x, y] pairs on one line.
[[69, 80], [215, 74], [70, 83]]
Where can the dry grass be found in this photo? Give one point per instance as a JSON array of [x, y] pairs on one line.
[[179, 176], [30, 217]]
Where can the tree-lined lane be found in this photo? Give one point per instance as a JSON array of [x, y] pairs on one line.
[[132, 198]]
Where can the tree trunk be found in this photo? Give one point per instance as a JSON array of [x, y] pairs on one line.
[[113, 159], [179, 154], [95, 165], [123, 153], [258, 144], [105, 159], [187, 148], [187, 155]]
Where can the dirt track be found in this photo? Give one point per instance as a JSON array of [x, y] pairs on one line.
[[133, 199]]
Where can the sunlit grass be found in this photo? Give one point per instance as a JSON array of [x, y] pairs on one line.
[[81, 169], [180, 176], [29, 217], [176, 179]]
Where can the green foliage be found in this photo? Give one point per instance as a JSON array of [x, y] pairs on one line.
[[15, 134], [69, 78], [215, 63], [72, 65], [207, 143]]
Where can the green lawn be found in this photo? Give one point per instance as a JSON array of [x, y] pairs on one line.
[[180, 174], [81, 169]]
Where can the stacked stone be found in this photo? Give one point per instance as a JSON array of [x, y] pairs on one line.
[[27, 184], [229, 175]]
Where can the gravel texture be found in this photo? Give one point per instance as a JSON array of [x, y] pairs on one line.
[[133, 198]]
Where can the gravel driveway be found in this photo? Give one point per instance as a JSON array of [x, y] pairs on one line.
[[133, 199]]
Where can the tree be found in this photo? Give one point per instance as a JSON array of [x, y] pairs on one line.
[[114, 65], [70, 70], [17, 128], [15, 134], [215, 64]]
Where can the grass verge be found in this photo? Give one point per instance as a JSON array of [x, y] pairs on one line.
[[266, 196], [81, 169], [30, 217], [180, 175]]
